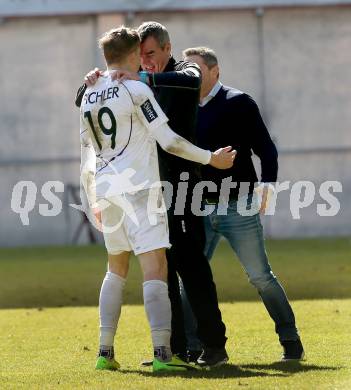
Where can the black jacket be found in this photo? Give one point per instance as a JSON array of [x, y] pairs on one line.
[[177, 90]]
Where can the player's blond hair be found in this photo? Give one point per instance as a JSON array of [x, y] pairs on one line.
[[118, 43]]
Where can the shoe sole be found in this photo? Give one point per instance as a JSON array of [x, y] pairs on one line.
[[146, 363], [176, 369], [302, 357], [106, 369], [218, 364]]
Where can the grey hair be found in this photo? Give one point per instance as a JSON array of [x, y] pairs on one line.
[[208, 55], [155, 30]]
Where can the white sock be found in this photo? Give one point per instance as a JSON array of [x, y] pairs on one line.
[[158, 311], [110, 304]]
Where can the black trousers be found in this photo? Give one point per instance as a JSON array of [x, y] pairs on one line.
[[186, 258]]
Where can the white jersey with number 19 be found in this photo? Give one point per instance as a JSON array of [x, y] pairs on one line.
[[117, 121]]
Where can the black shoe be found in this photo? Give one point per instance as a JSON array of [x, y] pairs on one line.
[[212, 357], [293, 350], [193, 356]]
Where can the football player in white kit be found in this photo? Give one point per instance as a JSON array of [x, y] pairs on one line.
[[120, 124]]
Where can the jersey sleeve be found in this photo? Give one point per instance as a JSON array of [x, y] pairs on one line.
[[147, 108], [179, 146], [87, 163]]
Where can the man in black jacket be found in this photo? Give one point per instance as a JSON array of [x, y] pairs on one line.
[[176, 86], [229, 116]]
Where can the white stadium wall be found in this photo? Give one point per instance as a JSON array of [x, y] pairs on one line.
[[295, 62], [308, 107], [42, 63]]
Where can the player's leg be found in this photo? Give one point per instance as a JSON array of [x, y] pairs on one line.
[[156, 300], [149, 240], [245, 235], [158, 310], [178, 340], [110, 304], [110, 301]]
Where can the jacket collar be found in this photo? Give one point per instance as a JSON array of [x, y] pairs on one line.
[[170, 65]]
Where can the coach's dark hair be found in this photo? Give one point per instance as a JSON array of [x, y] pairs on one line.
[[208, 55], [118, 43], [155, 30]]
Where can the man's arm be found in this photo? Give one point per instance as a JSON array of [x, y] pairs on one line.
[[263, 146], [80, 94], [261, 141], [89, 79], [188, 75]]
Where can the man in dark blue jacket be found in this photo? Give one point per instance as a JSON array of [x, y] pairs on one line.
[[229, 116]]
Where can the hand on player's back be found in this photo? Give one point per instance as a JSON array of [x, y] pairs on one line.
[[223, 158], [91, 78]]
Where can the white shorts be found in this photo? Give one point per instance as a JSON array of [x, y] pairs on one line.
[[135, 222]]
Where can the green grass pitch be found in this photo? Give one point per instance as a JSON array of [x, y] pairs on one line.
[[49, 321]]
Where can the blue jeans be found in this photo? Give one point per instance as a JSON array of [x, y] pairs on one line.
[[245, 235]]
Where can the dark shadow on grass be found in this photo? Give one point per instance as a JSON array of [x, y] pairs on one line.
[[227, 371], [243, 371], [289, 367]]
